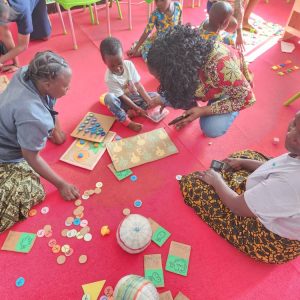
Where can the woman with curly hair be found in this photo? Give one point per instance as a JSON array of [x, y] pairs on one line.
[[192, 69], [27, 120]]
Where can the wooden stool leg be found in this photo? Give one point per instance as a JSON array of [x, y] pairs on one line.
[[292, 99], [72, 30], [107, 17], [129, 15], [61, 18]]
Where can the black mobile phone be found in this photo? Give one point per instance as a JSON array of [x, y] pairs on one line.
[[176, 120], [217, 165]]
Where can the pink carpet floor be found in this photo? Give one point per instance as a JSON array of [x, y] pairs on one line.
[[217, 270]]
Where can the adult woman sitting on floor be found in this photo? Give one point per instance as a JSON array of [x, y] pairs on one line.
[[27, 119], [190, 68], [254, 205]]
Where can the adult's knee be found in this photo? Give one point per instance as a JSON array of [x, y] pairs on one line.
[[213, 132]]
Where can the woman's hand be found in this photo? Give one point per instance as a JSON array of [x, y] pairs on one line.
[[68, 191], [234, 163], [191, 115], [211, 177]]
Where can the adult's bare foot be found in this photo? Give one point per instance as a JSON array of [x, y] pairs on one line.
[[135, 126]]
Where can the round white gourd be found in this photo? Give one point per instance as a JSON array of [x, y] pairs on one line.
[[134, 233], [133, 287]]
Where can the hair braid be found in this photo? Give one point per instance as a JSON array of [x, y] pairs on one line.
[[45, 65]]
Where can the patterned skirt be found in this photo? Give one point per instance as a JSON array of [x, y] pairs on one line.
[[245, 233], [20, 190]]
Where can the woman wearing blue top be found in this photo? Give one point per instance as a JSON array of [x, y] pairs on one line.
[[27, 119], [32, 21]]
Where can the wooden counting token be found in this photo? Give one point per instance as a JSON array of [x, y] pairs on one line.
[[48, 233], [82, 259], [80, 216], [85, 230], [91, 192], [126, 211], [78, 202], [47, 228], [87, 237], [61, 259], [65, 248], [99, 184], [52, 243], [69, 221], [79, 236], [32, 212], [64, 232], [86, 193], [70, 252], [98, 190], [56, 248]]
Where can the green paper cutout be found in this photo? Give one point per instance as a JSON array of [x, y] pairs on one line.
[[25, 242], [177, 265], [123, 174], [160, 236], [149, 1], [156, 276]]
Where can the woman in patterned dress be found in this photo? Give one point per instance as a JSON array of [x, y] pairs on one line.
[[254, 202], [192, 69], [167, 14]]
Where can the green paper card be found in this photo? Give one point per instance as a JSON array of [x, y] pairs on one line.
[[19, 241], [178, 258], [153, 269], [160, 235], [25, 242], [149, 1], [120, 174], [156, 276]]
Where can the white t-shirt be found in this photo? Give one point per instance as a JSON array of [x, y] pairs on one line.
[[122, 84], [273, 195]]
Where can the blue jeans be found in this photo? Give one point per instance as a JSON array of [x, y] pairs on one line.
[[119, 109], [217, 125]]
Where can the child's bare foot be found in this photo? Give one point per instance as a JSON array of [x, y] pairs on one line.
[[135, 126]]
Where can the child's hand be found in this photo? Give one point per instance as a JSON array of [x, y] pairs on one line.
[[132, 52], [155, 101], [141, 112]]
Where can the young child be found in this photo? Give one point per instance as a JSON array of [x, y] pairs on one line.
[[237, 17], [220, 18], [127, 97], [167, 14]]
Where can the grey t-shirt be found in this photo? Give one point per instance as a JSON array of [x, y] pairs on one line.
[[25, 118]]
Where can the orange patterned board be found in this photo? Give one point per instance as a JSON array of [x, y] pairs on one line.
[[93, 127], [86, 154], [140, 149]]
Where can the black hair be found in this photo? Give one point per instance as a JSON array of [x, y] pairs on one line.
[[45, 65], [110, 46], [176, 58]]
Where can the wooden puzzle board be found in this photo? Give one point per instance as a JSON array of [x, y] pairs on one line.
[[141, 149], [91, 152], [105, 123]]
